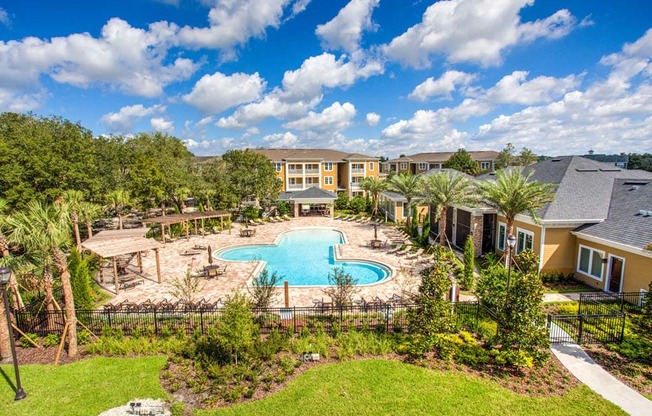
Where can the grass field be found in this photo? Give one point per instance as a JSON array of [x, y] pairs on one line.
[[364, 387], [381, 387], [84, 388]]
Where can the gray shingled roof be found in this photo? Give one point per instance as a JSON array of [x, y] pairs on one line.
[[326, 155], [395, 195], [584, 187], [441, 157], [313, 193], [625, 224]]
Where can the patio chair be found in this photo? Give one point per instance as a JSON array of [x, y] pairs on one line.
[[337, 217], [259, 221], [394, 250], [252, 223], [415, 255], [286, 217], [216, 230], [222, 272], [406, 250]]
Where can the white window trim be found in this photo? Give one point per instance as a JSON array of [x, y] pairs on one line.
[[579, 256], [371, 166], [526, 232], [423, 166], [403, 166], [482, 164], [326, 180], [622, 273], [328, 166], [498, 236]]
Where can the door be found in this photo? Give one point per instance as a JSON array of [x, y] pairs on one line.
[[615, 274]]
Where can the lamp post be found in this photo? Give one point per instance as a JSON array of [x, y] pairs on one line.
[[5, 274], [511, 242]]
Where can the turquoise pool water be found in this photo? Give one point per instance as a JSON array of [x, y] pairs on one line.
[[306, 257]]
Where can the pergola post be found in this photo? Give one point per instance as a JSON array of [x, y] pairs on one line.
[[187, 227], [202, 227], [163, 233], [195, 222], [115, 276], [140, 261], [158, 265]]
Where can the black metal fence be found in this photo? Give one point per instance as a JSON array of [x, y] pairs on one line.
[[630, 302], [176, 317]]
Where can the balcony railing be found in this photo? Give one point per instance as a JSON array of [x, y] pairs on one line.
[[295, 171], [296, 187], [357, 171], [312, 171]]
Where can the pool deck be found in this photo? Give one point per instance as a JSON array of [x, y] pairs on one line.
[[178, 256]]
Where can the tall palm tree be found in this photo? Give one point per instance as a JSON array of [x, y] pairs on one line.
[[374, 185], [442, 190], [43, 232], [4, 253], [74, 199], [407, 185], [513, 193], [118, 200], [88, 212]]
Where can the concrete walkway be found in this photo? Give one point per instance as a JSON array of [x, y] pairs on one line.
[[573, 357]]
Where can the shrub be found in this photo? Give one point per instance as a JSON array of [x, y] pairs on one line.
[[469, 264], [432, 314], [342, 201], [51, 340], [25, 343], [80, 280], [283, 208], [187, 288], [358, 204], [527, 262], [83, 337], [263, 289]]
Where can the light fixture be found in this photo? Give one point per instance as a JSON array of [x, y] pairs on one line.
[[511, 241], [5, 274]]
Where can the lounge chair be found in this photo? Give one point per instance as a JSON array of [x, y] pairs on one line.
[[259, 221], [169, 239], [337, 217], [394, 250], [406, 250], [253, 223], [415, 255], [222, 272], [216, 230]]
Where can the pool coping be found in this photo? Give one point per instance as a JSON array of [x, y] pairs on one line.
[[336, 248]]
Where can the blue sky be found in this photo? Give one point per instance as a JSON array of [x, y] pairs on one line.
[[381, 77]]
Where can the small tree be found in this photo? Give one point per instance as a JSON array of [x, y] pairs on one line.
[[283, 208], [433, 313], [342, 287], [236, 330], [80, 280], [463, 162], [187, 288], [342, 201], [647, 304], [263, 289], [358, 204], [469, 264]]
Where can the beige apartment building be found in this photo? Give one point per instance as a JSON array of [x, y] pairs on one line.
[[423, 162], [330, 170]]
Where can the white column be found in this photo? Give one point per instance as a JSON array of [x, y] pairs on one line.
[[303, 169]]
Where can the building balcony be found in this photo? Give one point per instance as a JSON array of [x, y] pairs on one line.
[[357, 171], [296, 187], [312, 171], [356, 185], [295, 171]]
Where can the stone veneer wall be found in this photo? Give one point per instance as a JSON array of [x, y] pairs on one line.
[[476, 230]]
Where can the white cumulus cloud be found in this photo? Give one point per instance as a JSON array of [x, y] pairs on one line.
[[162, 125], [285, 140], [516, 89], [443, 86], [372, 119], [124, 120], [473, 31], [215, 93], [344, 31], [337, 117]]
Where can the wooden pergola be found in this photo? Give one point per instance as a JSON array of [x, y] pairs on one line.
[[186, 218], [110, 244]]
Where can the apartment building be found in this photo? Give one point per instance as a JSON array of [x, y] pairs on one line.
[[330, 170], [423, 162]]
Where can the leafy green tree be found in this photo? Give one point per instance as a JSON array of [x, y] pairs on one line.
[[492, 286], [357, 204], [114, 160], [283, 208], [80, 280], [187, 288], [342, 201], [249, 174], [342, 287], [43, 233], [526, 157], [442, 190], [41, 157], [463, 162], [432, 314], [469, 264], [505, 157], [407, 185], [264, 290], [512, 193], [640, 161], [374, 186], [236, 330]]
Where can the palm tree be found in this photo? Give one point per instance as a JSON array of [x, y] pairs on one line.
[[407, 185], [512, 193], [74, 199], [374, 185], [118, 200], [442, 190], [88, 212], [43, 232]]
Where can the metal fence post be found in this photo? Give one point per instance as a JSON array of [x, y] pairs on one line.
[[294, 319], [581, 330], [155, 324], [201, 321]]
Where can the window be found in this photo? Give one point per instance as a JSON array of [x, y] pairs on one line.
[[293, 181], [371, 165], [485, 165], [328, 166], [328, 180], [423, 166], [403, 166], [356, 179], [405, 209], [502, 235], [589, 262], [292, 166], [524, 240], [277, 167], [311, 181]]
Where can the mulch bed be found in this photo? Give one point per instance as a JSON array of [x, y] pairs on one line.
[[47, 355], [636, 375]]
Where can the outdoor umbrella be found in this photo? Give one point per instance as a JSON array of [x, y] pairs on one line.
[[375, 231], [210, 255]]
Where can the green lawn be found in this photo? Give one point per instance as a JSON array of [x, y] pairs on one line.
[[368, 387], [379, 387], [84, 388]]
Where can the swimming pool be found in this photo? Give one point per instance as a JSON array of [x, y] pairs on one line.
[[306, 257]]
